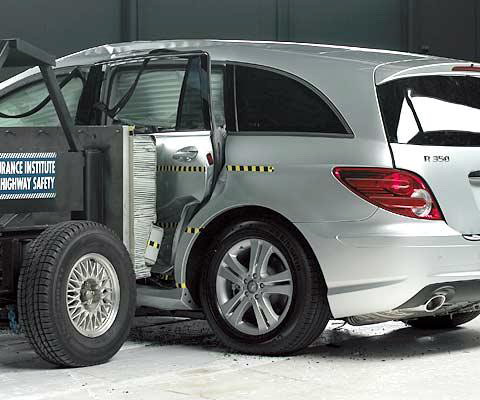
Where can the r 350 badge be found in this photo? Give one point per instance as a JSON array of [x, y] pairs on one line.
[[436, 159]]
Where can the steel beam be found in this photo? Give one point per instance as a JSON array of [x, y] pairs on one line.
[[4, 50], [60, 105]]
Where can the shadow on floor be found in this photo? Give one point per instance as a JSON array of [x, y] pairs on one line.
[[378, 342], [166, 331], [391, 341]]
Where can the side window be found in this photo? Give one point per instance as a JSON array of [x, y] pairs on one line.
[[269, 101], [29, 96], [217, 90], [191, 111], [156, 100]]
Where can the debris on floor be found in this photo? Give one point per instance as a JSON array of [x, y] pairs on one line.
[[172, 358]]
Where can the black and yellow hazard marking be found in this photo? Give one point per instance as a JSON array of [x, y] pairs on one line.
[[168, 225], [154, 244], [181, 285], [192, 230], [181, 168], [251, 168], [165, 277]]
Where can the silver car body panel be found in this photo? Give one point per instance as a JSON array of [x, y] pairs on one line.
[[449, 181], [372, 260]]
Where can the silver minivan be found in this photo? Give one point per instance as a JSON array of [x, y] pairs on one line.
[[339, 183]]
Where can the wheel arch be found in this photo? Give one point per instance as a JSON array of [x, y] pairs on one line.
[[195, 261]]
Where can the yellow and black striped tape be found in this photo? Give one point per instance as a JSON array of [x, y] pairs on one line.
[[168, 225], [181, 285], [166, 277], [152, 243], [181, 168], [193, 230], [251, 168]]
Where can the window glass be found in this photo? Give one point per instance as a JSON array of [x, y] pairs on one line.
[[28, 97], [269, 101], [432, 110], [155, 101], [192, 108], [156, 97], [217, 90]]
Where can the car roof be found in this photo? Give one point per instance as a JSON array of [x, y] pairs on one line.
[[301, 59], [222, 49], [262, 52]]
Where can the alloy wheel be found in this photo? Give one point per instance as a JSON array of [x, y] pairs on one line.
[[254, 287], [93, 295]]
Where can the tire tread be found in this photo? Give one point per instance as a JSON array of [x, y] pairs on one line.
[[313, 320], [34, 282]]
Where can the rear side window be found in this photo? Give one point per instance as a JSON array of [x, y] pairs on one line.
[[432, 110], [29, 96], [270, 101]]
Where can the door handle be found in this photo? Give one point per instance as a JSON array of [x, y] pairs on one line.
[[187, 154], [474, 175]]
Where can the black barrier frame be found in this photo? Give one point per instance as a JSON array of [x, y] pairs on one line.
[[18, 53]]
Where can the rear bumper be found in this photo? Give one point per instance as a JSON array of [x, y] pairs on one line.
[[379, 264]]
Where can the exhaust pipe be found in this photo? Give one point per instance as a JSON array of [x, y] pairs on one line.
[[435, 303]]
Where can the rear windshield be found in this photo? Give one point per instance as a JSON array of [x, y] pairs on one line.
[[432, 110]]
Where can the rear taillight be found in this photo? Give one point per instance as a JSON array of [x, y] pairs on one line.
[[398, 191]]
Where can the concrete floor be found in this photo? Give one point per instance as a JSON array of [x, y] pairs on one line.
[[182, 360]]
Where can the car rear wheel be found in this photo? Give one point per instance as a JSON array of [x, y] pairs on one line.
[[76, 294], [444, 321], [262, 293]]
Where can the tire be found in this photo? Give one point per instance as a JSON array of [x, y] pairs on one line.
[[58, 336], [299, 325], [444, 321]]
